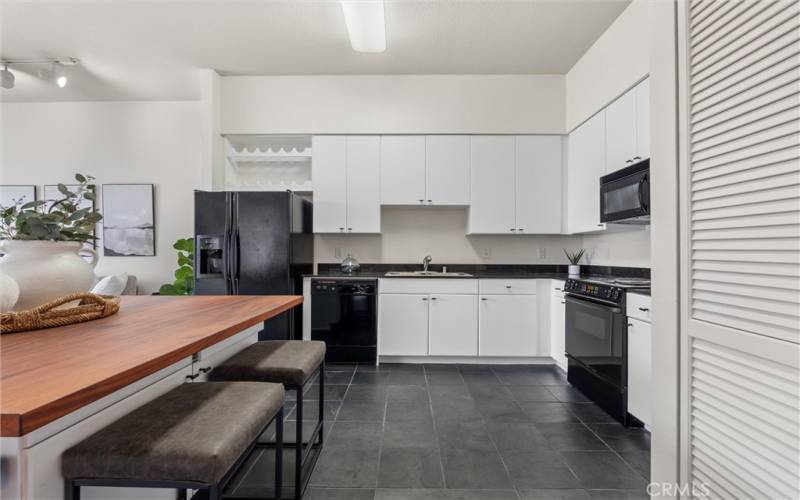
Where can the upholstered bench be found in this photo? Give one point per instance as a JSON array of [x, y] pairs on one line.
[[292, 363], [194, 437]]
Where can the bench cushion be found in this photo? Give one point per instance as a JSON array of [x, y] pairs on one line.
[[195, 432], [284, 361]]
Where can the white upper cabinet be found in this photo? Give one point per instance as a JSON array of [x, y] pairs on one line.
[[621, 132], [628, 128], [492, 205], [346, 176], [585, 165], [643, 119], [447, 168], [402, 170], [329, 173], [538, 184], [363, 184]]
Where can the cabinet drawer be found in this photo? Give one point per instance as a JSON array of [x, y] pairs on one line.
[[428, 285], [508, 287], [638, 306]]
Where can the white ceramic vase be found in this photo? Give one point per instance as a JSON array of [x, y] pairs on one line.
[[9, 292], [46, 270], [574, 270]]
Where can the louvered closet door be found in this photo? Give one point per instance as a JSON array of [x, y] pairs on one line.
[[741, 296]]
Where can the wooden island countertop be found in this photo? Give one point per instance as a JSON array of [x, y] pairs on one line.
[[46, 374]]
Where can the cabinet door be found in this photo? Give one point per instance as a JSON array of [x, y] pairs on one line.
[[402, 170], [329, 175], [538, 184], [621, 132], [585, 166], [447, 169], [643, 120], [557, 329], [507, 325], [403, 321], [639, 369], [363, 184], [453, 325], [492, 203]]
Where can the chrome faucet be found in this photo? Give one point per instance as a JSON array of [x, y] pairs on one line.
[[427, 260]]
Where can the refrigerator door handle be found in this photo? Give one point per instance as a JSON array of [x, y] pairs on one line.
[[226, 246], [235, 244]]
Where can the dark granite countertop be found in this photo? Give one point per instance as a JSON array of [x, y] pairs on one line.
[[479, 271]]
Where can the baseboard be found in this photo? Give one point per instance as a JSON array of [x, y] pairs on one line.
[[468, 360]]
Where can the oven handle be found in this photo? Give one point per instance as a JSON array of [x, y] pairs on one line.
[[640, 193], [601, 306]]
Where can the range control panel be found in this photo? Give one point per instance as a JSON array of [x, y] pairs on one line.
[[608, 293]]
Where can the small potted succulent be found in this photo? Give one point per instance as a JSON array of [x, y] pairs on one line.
[[574, 261], [42, 241]]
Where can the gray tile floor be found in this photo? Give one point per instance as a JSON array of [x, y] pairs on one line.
[[463, 432]]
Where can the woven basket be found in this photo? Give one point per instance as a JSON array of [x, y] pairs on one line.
[[91, 306]]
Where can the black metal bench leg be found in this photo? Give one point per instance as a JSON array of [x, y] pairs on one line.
[[213, 493], [298, 456], [183, 494], [71, 490], [321, 401], [279, 455]]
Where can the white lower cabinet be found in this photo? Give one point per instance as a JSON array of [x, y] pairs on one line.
[[403, 324], [453, 325], [639, 369], [508, 325]]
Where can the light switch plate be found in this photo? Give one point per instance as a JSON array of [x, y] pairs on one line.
[[487, 253], [542, 253]]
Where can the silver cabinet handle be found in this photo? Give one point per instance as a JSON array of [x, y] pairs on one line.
[[349, 228], [483, 298], [637, 157], [563, 302], [433, 298], [630, 324], [557, 289], [520, 229], [600, 225], [341, 229], [512, 229], [205, 370], [189, 378], [644, 309], [422, 201], [430, 201], [425, 298], [508, 286], [628, 161]]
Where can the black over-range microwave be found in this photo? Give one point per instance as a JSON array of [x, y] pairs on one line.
[[625, 195]]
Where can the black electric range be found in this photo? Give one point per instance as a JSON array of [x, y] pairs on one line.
[[597, 340]]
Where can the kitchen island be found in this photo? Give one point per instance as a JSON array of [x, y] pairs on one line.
[[59, 385]]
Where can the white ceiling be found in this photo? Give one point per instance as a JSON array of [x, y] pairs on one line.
[[151, 49]]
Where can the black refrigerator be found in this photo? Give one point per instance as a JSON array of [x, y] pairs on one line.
[[254, 243]]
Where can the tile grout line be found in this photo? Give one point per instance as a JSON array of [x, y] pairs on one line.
[[433, 423]]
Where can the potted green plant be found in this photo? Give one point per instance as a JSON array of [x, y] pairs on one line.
[[42, 241], [184, 275], [574, 261]]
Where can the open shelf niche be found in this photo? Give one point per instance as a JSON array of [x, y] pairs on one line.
[[268, 162]]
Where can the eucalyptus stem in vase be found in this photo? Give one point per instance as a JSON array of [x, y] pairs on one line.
[[42, 241]]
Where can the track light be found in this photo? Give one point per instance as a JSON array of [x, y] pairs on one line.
[[53, 74], [6, 77]]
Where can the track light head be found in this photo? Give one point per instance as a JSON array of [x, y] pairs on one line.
[[53, 75], [6, 78]]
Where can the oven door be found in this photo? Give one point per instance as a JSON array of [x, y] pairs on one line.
[[595, 337], [625, 195]]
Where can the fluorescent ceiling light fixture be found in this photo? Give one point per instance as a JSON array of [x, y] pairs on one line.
[[366, 25]]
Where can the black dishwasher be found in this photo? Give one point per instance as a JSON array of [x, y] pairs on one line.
[[344, 314]]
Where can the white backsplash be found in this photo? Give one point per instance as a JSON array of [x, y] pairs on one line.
[[410, 233]]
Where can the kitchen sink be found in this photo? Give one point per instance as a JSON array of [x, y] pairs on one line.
[[428, 274]]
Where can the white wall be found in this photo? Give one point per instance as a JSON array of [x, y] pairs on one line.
[[393, 104], [117, 142], [616, 61], [410, 233]]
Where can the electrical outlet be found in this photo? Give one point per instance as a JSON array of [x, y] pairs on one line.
[[337, 252], [542, 253], [487, 253]]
